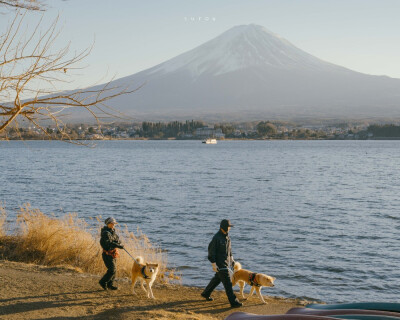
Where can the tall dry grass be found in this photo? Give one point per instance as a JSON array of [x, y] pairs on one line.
[[3, 216], [69, 240]]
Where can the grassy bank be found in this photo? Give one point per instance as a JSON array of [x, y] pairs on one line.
[[70, 241], [50, 267]]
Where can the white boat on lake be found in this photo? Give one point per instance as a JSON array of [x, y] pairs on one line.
[[210, 141]]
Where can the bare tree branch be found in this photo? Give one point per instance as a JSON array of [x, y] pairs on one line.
[[30, 73], [33, 5]]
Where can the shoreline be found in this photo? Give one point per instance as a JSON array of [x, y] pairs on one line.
[[228, 139], [43, 292]]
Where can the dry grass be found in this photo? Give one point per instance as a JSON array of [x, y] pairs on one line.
[[3, 216], [69, 240]]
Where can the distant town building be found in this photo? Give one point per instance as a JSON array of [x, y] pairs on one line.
[[208, 132], [95, 137]]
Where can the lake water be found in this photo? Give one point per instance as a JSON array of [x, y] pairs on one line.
[[323, 217]]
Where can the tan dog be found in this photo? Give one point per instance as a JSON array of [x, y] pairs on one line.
[[144, 273], [255, 280]]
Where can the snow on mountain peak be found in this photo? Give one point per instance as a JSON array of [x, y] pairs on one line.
[[238, 48]]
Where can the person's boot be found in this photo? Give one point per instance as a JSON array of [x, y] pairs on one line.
[[103, 285], [111, 287], [236, 304], [208, 298]]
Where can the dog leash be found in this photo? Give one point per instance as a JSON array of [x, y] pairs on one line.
[[229, 269], [131, 256]]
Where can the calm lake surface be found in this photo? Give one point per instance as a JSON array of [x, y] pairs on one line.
[[323, 217]]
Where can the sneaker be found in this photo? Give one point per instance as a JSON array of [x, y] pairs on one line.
[[208, 298], [103, 285], [236, 304], [111, 287]]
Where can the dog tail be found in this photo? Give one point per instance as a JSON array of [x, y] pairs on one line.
[[237, 266], [139, 259]]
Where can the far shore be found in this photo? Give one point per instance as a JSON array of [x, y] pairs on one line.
[[199, 140], [31, 291]]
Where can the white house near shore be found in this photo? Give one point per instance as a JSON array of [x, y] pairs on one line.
[[207, 132]]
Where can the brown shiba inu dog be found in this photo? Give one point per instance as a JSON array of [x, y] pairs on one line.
[[255, 280], [144, 273]]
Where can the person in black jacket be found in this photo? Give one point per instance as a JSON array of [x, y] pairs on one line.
[[110, 243], [220, 256]]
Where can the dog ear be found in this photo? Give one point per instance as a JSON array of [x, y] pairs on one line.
[[156, 265]]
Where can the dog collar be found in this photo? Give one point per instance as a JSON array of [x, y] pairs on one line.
[[144, 275]]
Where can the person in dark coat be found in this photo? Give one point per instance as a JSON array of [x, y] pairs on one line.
[[220, 256], [110, 243]]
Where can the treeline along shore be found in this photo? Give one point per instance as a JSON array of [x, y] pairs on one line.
[[50, 267], [191, 130]]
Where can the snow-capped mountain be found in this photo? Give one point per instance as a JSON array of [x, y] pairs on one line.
[[250, 72], [239, 48]]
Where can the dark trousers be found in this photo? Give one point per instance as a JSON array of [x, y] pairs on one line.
[[221, 276], [111, 265]]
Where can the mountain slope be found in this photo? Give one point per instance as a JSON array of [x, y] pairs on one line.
[[250, 72]]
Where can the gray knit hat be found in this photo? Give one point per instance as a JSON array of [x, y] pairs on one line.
[[110, 220]]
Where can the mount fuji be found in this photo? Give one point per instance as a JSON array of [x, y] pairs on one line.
[[248, 73]]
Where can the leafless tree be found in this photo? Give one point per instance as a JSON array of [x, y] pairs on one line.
[[34, 5], [31, 72]]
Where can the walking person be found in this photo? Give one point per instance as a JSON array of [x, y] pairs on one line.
[[110, 243], [220, 256]]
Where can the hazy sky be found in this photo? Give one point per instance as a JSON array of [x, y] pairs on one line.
[[131, 35]]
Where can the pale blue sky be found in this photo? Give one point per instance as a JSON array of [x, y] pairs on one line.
[[131, 35]]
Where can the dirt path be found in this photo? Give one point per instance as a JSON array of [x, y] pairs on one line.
[[35, 292]]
